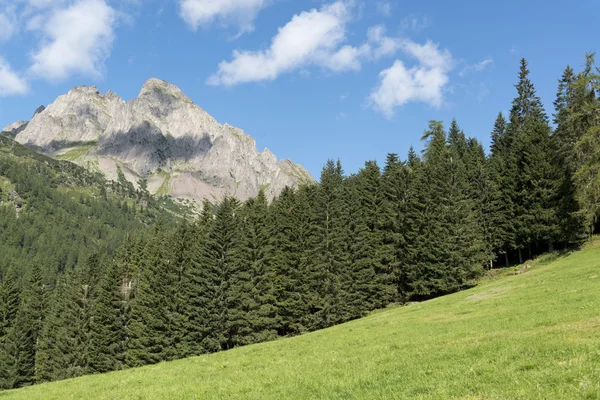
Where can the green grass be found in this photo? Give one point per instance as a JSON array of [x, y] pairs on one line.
[[77, 153], [164, 189], [535, 335]]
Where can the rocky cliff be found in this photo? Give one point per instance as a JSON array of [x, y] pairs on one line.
[[160, 136]]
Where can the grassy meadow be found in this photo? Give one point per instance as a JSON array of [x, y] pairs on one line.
[[533, 335]]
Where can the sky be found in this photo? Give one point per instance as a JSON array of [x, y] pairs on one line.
[[311, 80]]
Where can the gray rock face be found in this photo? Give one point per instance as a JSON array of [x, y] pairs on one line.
[[14, 129], [162, 136]]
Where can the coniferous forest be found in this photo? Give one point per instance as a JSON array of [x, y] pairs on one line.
[[98, 276]]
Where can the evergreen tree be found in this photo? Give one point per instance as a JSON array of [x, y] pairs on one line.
[[584, 118], [261, 304], [9, 302], [371, 282], [448, 251], [150, 336], [392, 217], [331, 266], [293, 238], [109, 327], [21, 343], [63, 344], [502, 169], [198, 292]]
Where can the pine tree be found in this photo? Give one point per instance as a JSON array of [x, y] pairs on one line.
[[63, 345], [391, 218], [200, 290], [9, 302], [584, 118], [21, 343], [150, 338], [109, 327], [258, 259], [564, 139], [538, 178], [294, 225], [502, 169], [448, 252], [331, 266], [371, 284]]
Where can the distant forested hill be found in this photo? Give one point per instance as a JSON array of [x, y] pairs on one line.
[[55, 214]]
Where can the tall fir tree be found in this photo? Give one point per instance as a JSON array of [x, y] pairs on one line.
[[258, 259], [9, 302], [150, 335], [293, 238], [331, 265], [21, 343], [109, 327], [585, 120]]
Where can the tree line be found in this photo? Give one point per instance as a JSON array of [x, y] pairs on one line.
[[321, 254]]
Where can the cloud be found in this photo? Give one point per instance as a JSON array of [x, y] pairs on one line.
[[7, 26], [312, 37], [415, 22], [10, 82], [384, 45], [480, 66], [384, 8], [76, 40], [237, 12], [423, 82]]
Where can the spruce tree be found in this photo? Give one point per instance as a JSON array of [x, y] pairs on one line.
[[293, 239], [258, 260], [200, 290], [9, 302], [538, 178], [331, 265], [448, 252], [64, 342], [391, 218], [585, 120], [109, 327], [150, 338], [21, 343], [502, 169], [371, 283]]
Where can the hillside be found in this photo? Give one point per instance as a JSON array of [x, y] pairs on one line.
[[533, 334], [55, 213]]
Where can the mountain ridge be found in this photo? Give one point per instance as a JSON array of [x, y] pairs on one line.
[[162, 137]]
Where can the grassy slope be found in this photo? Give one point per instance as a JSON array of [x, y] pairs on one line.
[[533, 335]]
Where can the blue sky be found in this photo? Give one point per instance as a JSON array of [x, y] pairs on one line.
[[310, 80]]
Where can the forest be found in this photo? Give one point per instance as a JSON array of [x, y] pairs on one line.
[[98, 276]]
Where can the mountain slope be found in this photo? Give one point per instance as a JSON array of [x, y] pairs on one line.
[[529, 335], [55, 213], [161, 136]]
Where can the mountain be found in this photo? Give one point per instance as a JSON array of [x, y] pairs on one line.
[[161, 137]]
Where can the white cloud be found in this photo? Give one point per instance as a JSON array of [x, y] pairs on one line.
[[10, 82], [312, 37], [480, 66], [385, 45], [77, 40], [237, 12], [8, 25], [384, 8], [415, 22], [40, 4], [423, 82]]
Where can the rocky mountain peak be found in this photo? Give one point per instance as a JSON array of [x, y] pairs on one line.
[[161, 136]]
